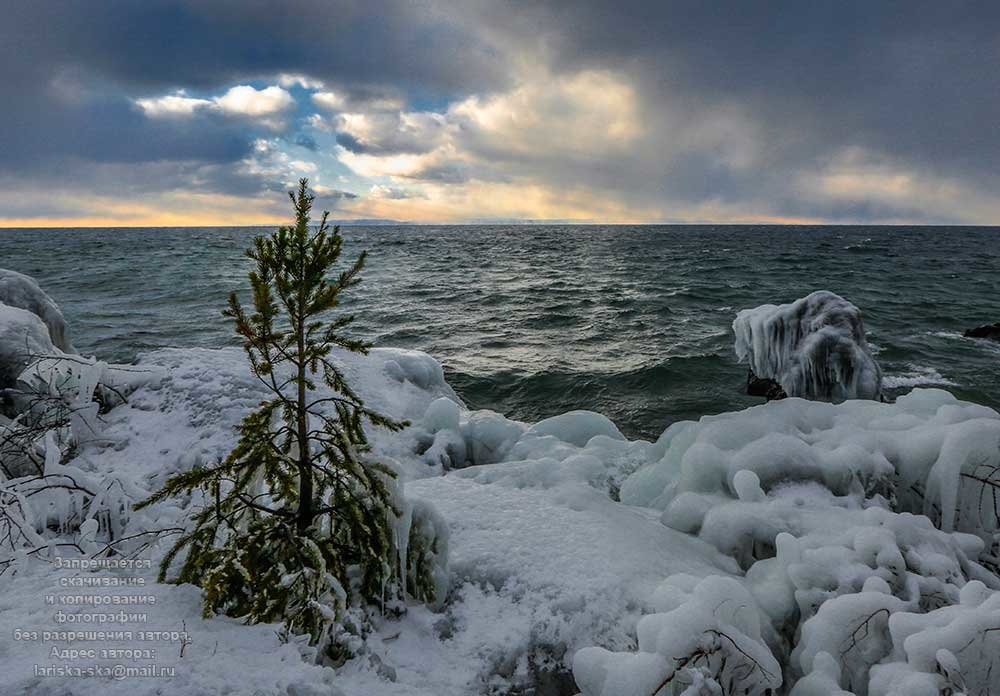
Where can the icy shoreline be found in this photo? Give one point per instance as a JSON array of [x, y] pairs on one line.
[[545, 562], [796, 547]]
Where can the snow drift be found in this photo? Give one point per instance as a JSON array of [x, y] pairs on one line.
[[814, 347]]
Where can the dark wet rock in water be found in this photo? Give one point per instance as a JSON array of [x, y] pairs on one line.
[[990, 331], [764, 386]]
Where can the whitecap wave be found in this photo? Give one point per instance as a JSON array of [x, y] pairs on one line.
[[916, 377]]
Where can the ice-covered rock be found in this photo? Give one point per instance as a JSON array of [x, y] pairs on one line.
[[928, 452], [22, 335], [46, 391], [859, 525], [577, 427], [711, 631], [814, 347], [19, 290]]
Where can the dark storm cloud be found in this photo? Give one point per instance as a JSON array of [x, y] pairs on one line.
[[745, 105], [209, 43], [916, 78], [68, 70]]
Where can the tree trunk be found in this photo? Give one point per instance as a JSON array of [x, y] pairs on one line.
[[305, 512]]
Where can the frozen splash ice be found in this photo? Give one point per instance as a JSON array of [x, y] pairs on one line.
[[21, 291], [814, 347]]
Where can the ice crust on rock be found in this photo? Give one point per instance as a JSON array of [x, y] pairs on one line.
[[22, 334], [21, 291], [814, 347], [867, 533], [49, 397]]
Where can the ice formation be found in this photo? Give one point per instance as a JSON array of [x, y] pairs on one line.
[[22, 334], [44, 387], [798, 547], [814, 347], [858, 525], [752, 544], [21, 291]]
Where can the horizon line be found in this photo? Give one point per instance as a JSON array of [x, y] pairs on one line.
[[376, 222]]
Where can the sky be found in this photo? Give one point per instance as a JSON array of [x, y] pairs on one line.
[[204, 112]]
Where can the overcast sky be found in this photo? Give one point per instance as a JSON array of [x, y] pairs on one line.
[[203, 112]]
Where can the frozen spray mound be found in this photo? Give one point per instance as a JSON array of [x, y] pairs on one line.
[[50, 398], [814, 348], [868, 535], [22, 334], [19, 290]]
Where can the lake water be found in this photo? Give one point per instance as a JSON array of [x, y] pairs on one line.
[[532, 321]]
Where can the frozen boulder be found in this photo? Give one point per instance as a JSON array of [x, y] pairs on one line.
[[813, 348], [710, 635], [577, 427], [21, 291], [22, 335]]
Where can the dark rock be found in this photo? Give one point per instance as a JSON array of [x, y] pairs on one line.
[[764, 386], [990, 331]]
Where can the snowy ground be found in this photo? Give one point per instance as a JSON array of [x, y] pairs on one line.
[[544, 566], [787, 506]]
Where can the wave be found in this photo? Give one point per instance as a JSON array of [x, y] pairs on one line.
[[918, 376], [641, 400]]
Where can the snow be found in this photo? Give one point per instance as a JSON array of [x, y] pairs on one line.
[[800, 546], [223, 657], [716, 615], [814, 347], [20, 291], [858, 525], [22, 334], [542, 560]]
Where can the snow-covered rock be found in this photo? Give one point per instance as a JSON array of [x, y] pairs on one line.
[[706, 631], [43, 388], [814, 347], [923, 451], [22, 335], [19, 290], [858, 524]]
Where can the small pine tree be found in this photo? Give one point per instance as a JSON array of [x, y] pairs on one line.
[[300, 519]]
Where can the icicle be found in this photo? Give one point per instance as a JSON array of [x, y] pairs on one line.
[[814, 347]]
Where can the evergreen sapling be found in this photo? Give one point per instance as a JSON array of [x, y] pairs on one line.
[[300, 522]]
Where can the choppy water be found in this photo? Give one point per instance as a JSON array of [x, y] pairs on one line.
[[534, 321]]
